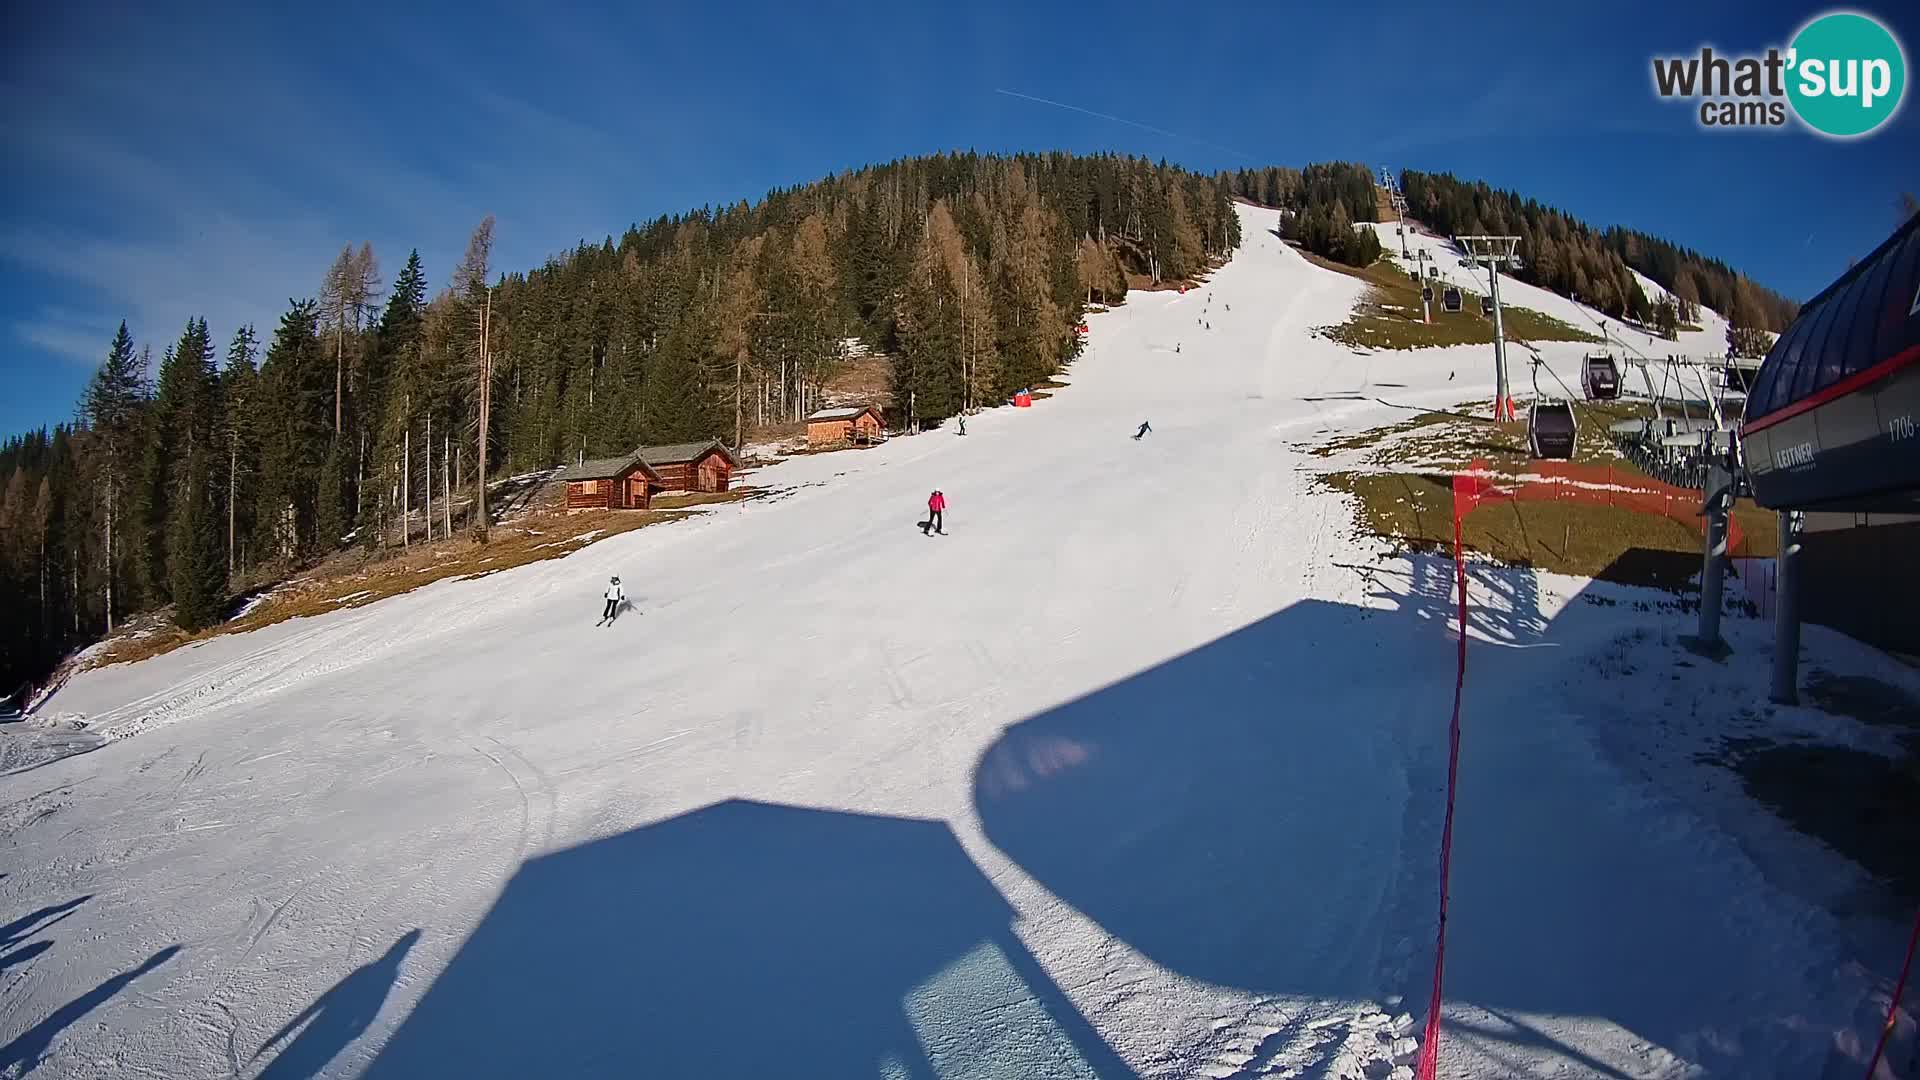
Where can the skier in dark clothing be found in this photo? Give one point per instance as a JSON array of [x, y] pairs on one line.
[[615, 594], [936, 504], [1144, 428]]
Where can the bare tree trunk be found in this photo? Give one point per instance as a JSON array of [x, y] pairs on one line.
[[446, 483], [233, 463], [486, 417], [457, 474], [110, 554], [429, 477], [406, 488], [339, 371]]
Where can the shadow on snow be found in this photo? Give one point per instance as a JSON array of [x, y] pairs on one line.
[[28, 1050], [749, 939], [337, 1017]]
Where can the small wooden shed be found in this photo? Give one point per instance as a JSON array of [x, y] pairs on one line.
[[699, 466], [833, 427], [622, 483]]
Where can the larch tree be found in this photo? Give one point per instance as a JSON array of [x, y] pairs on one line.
[[471, 291]]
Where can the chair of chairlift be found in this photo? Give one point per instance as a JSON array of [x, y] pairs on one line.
[[1451, 299], [1486, 307], [1550, 429]]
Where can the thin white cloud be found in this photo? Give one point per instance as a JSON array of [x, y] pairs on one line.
[[67, 335]]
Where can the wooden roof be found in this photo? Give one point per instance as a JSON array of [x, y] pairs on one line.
[[678, 453], [848, 413], [604, 468]]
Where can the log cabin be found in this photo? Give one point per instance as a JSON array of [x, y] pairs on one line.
[[836, 427], [622, 483], [698, 466]]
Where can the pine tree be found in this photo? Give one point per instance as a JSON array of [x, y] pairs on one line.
[[294, 421], [1745, 337], [928, 369], [115, 403], [239, 384], [180, 425], [330, 510], [197, 560], [678, 403], [1666, 318]]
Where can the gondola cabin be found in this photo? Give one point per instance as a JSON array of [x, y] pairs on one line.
[[622, 483], [840, 427], [1450, 299], [701, 466], [1551, 429], [1833, 418], [1486, 307], [1739, 376], [1600, 377]]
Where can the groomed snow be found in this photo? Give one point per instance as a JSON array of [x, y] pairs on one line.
[[1135, 773]]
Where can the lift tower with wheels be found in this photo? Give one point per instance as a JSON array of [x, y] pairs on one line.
[[1493, 252]]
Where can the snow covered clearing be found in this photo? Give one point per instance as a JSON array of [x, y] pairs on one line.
[[1090, 786]]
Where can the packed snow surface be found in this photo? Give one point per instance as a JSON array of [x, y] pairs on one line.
[[1135, 773]]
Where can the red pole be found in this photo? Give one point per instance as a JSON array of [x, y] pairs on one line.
[[1893, 1007], [1430, 1038]]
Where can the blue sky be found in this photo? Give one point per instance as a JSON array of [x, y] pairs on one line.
[[163, 166]]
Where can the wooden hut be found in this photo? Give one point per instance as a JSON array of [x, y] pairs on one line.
[[836, 427], [622, 483], [699, 466]]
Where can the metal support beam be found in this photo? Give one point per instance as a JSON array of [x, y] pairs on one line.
[[1713, 569], [1786, 611], [1494, 252]]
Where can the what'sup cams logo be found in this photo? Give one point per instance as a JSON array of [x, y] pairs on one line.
[[1843, 76]]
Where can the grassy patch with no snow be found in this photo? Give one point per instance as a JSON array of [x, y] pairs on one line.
[[1388, 316], [354, 579], [1402, 486]]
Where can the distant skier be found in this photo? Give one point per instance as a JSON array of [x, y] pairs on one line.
[[615, 597], [963, 425], [1144, 428], [936, 505]]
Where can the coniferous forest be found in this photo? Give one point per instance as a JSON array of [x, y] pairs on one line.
[[1574, 259], [238, 454]]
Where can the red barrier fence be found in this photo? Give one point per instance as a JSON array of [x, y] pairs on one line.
[[1893, 1007], [1549, 481], [1468, 489], [1596, 485]]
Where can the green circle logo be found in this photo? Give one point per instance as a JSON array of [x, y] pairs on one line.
[[1847, 74]]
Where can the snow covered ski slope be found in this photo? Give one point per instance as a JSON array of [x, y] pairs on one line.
[[1133, 775]]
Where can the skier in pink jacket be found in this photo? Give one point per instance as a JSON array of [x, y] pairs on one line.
[[936, 504]]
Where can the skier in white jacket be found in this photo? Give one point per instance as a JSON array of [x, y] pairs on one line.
[[615, 595]]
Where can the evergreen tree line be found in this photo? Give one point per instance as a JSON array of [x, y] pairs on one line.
[[184, 480], [1561, 253], [1323, 202]]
